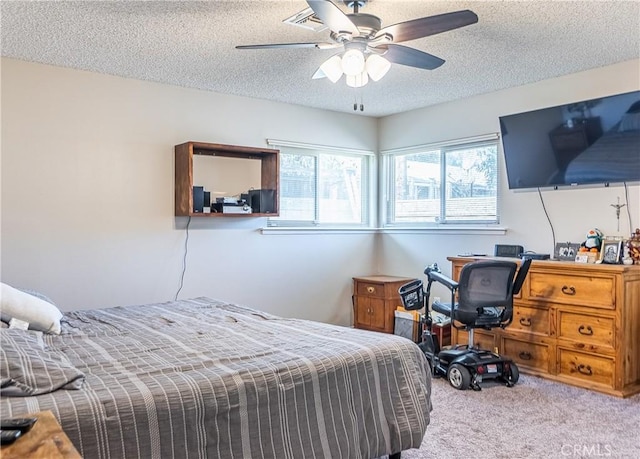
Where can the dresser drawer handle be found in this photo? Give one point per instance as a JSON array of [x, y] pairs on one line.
[[585, 369], [525, 355], [371, 289], [585, 330], [568, 290], [525, 321]]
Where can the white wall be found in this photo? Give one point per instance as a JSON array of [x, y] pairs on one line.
[[87, 197], [87, 192], [573, 211]]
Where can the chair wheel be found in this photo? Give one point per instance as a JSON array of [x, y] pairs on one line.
[[459, 377]]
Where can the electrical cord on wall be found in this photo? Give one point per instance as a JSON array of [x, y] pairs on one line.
[[553, 233], [184, 260], [626, 201]]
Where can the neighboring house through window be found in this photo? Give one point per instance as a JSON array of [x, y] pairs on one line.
[[448, 183]]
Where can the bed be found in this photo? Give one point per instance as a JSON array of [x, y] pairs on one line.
[[205, 378], [615, 156]]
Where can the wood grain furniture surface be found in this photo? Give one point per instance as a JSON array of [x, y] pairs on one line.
[[443, 333], [375, 298], [269, 167], [574, 323], [45, 440]]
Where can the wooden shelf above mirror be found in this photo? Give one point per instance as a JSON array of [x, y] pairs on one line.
[[184, 174]]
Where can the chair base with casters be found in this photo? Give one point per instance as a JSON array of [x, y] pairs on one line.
[[466, 366]]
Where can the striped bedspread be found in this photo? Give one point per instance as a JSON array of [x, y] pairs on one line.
[[204, 379]]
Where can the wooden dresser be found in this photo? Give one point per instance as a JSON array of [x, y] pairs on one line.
[[574, 323], [375, 298]]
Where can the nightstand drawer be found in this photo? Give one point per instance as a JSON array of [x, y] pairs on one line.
[[587, 367], [370, 289], [586, 329], [527, 354], [530, 320], [594, 291]]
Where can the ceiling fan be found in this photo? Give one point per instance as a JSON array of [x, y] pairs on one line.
[[366, 48]]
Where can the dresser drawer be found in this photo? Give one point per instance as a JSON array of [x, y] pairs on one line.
[[481, 339], [586, 329], [530, 320], [586, 367], [370, 289], [595, 291], [527, 354]]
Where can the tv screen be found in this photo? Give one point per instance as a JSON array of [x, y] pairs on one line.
[[593, 141]]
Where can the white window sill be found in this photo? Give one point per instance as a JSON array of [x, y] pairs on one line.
[[447, 229], [311, 230], [458, 230]]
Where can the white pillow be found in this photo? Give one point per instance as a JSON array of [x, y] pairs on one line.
[[40, 314]]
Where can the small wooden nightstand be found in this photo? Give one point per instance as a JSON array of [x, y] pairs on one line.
[[45, 440], [375, 299]]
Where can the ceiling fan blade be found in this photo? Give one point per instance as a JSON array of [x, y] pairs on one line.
[[431, 25], [404, 55], [319, 74], [332, 16], [291, 45]]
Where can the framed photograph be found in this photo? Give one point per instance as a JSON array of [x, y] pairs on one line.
[[610, 251], [566, 251]]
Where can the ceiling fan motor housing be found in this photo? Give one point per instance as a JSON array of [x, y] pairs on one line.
[[367, 24]]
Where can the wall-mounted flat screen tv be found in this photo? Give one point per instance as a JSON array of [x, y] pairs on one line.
[[593, 141]]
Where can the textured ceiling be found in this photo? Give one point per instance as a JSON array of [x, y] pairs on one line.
[[192, 44]]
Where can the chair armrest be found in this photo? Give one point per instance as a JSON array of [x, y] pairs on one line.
[[447, 281]]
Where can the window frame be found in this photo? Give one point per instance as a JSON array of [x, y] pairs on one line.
[[387, 179], [368, 188]]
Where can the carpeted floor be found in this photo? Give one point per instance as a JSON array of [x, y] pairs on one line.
[[534, 419]]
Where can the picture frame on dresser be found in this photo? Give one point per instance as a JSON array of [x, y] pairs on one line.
[[566, 251], [610, 251]]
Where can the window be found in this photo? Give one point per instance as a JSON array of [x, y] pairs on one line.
[[451, 183], [320, 186]]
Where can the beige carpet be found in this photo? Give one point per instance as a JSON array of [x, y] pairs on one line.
[[534, 419]]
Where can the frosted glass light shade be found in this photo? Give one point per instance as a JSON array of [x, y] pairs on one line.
[[332, 68], [377, 66], [353, 62], [357, 81]]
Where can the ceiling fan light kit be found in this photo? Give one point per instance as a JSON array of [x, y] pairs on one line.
[[369, 48], [352, 62], [357, 81], [331, 68], [377, 66]]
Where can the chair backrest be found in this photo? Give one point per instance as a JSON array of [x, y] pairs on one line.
[[522, 273], [484, 284]]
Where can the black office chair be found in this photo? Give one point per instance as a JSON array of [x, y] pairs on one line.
[[484, 295]]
